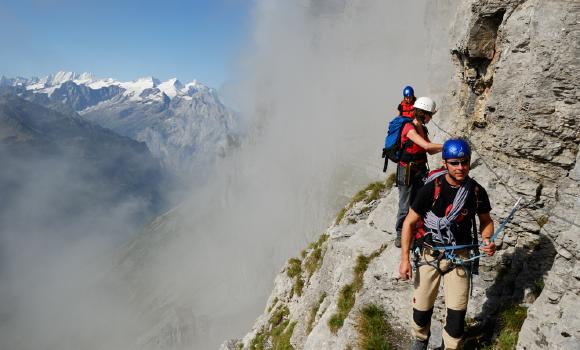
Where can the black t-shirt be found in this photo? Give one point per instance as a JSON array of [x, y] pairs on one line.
[[477, 202]]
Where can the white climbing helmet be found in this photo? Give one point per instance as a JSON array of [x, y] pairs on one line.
[[426, 104]]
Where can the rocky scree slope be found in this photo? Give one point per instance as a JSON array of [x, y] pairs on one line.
[[514, 95]]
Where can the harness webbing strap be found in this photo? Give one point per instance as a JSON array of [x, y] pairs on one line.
[[454, 262], [448, 252]]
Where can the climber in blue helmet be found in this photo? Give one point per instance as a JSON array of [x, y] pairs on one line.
[[456, 152], [405, 108], [442, 216], [456, 148]]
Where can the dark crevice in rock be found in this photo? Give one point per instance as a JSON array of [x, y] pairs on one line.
[[569, 141], [481, 50], [539, 192], [526, 155], [476, 63], [476, 163]]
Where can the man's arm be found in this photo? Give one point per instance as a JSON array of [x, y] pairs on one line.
[[405, 270], [486, 228]]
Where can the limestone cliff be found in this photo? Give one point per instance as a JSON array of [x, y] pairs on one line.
[[514, 94]]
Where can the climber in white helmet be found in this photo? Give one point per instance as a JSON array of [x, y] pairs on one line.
[[412, 167]]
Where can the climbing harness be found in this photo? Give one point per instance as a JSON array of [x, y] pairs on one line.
[[449, 252]]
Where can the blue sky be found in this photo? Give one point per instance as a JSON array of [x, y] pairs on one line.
[[124, 39]]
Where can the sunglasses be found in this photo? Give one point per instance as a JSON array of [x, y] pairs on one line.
[[457, 162]]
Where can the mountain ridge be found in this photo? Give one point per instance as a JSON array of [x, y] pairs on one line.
[[186, 126], [133, 88]]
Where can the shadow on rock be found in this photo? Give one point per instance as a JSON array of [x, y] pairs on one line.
[[519, 279]]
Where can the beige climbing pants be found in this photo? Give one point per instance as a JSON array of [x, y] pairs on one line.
[[456, 293]]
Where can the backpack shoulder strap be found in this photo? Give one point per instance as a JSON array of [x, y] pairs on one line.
[[474, 233], [407, 143], [437, 191], [476, 191], [420, 232]]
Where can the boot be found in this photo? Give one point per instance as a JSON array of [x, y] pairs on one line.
[[398, 241], [441, 347], [420, 344]]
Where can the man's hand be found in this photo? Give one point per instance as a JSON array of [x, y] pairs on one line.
[[405, 270], [488, 247]]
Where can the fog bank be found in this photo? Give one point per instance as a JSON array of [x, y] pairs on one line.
[[316, 87]]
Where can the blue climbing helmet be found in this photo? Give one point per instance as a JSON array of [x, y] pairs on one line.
[[408, 91], [456, 148]]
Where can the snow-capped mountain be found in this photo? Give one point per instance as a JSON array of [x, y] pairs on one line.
[[184, 125]]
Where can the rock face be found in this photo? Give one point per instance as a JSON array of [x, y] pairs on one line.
[[516, 100], [514, 94]]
